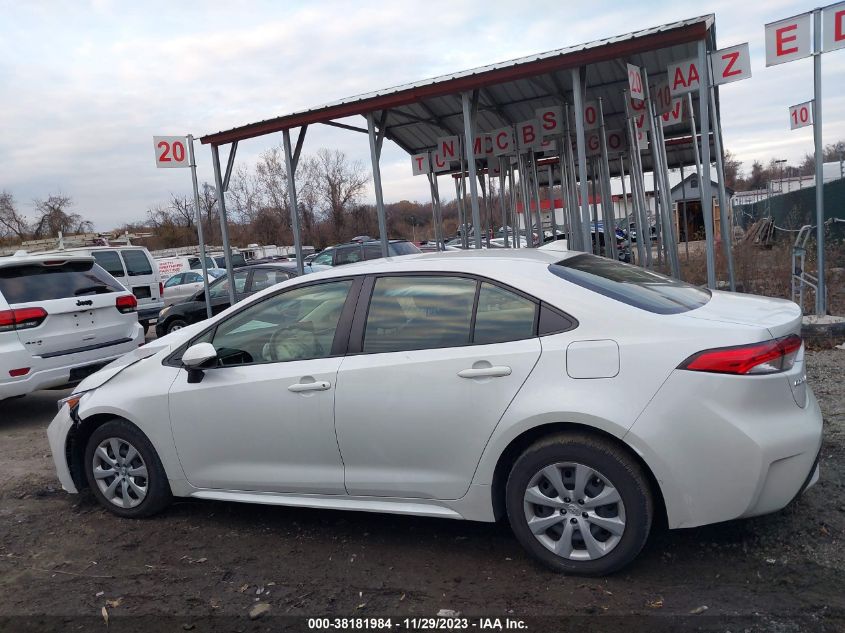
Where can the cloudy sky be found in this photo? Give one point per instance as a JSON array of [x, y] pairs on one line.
[[85, 86]]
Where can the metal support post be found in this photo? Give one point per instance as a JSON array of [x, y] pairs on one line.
[[502, 208], [469, 136], [224, 225], [704, 184], [686, 223], [608, 215], [294, 207], [724, 201], [637, 188], [192, 159], [821, 290], [577, 90], [552, 200], [538, 217], [374, 157], [513, 200]]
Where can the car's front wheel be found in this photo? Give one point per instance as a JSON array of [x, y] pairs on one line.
[[579, 504], [176, 324], [124, 471]]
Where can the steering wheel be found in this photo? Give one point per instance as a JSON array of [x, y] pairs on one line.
[[297, 343]]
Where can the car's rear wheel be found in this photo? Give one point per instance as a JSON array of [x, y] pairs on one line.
[[176, 324], [124, 471], [579, 504]]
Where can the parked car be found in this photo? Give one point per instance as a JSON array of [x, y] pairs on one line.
[[577, 396], [248, 280], [62, 317], [182, 286], [135, 268], [358, 251]]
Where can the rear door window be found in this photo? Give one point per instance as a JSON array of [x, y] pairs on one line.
[[372, 251], [110, 261], [137, 263], [263, 278], [631, 285], [175, 280], [30, 283], [348, 255]]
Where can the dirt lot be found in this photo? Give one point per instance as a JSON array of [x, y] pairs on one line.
[[63, 558]]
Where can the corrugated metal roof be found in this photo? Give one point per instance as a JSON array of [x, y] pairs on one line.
[[510, 91]]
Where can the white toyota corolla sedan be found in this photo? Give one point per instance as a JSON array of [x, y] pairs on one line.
[[576, 396]]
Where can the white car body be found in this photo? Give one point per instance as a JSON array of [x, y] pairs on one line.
[[402, 432], [183, 285], [132, 266], [76, 335]]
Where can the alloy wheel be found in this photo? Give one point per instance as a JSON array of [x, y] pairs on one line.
[[574, 511], [120, 472]]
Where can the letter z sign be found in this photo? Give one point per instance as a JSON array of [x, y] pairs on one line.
[[788, 40], [731, 64]]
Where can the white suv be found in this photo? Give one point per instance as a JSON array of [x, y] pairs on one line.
[[61, 319], [135, 268]]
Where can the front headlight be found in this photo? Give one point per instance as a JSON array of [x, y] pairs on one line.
[[72, 401]]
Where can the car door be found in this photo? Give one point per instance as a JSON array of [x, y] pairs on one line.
[[172, 294], [191, 284], [427, 379], [262, 419]]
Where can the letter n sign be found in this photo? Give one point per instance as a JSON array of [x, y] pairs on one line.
[[449, 148], [788, 40]]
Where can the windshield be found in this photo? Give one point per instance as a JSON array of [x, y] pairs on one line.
[[631, 285]]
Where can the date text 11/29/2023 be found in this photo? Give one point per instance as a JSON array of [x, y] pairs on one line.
[[416, 624]]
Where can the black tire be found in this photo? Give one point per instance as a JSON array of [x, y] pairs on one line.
[[176, 324], [609, 460], [158, 495]]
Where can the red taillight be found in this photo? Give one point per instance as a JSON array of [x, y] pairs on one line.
[[23, 371], [768, 357], [126, 303], [161, 289], [21, 318]]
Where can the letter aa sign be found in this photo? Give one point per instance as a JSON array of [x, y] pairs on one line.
[[684, 77]]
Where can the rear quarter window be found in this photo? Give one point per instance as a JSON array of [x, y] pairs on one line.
[[631, 285], [137, 263], [30, 283], [403, 248], [110, 261]]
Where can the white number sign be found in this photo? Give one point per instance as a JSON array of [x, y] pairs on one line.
[[635, 82], [171, 151], [800, 115]]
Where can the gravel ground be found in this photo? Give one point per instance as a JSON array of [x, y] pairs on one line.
[[63, 559]]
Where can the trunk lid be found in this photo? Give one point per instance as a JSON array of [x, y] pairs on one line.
[[779, 316]]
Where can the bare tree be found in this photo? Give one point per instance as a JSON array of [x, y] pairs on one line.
[[340, 184], [12, 222], [54, 215]]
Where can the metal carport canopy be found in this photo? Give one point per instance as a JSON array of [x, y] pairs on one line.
[[414, 115]]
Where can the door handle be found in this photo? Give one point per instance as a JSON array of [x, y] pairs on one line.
[[485, 372], [319, 385]]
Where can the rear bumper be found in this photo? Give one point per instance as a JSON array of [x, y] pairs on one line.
[[57, 436], [150, 314], [48, 373], [727, 448]]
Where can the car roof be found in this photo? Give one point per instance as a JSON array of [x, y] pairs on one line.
[[82, 249], [22, 257]]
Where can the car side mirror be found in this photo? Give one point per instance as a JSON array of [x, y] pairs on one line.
[[195, 358]]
